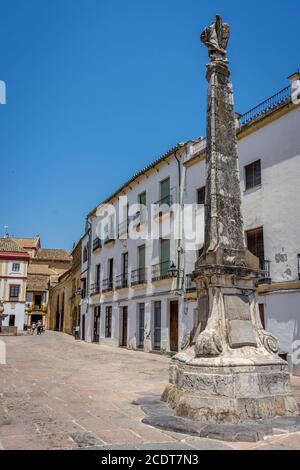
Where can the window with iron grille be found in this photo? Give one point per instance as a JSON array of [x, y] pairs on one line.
[[253, 174], [201, 196], [14, 292], [108, 319], [255, 243]]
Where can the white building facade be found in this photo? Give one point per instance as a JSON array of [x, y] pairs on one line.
[[138, 290], [13, 280]]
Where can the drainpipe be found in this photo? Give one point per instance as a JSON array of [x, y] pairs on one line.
[[89, 225], [179, 234]]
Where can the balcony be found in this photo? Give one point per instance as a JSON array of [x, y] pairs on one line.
[[138, 277], [161, 271], [107, 285], [265, 267], [97, 244], [95, 289], [280, 98], [122, 281], [190, 285]]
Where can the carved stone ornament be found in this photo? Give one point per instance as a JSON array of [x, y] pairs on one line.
[[216, 38], [208, 344], [186, 341], [270, 342]]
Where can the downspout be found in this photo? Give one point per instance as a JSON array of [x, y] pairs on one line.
[[89, 225], [179, 234]]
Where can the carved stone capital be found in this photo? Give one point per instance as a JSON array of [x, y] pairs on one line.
[[270, 343], [208, 344]]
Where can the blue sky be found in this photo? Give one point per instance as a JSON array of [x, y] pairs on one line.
[[96, 89]]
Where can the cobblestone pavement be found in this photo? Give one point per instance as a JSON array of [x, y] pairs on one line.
[[56, 393]]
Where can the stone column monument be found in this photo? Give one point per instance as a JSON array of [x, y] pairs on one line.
[[233, 372]]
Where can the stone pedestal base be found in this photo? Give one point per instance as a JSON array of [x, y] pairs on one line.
[[233, 390]]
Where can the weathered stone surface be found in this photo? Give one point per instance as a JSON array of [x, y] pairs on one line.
[[246, 432], [233, 373], [85, 439]]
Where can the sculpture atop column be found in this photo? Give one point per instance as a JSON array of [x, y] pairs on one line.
[[233, 372]]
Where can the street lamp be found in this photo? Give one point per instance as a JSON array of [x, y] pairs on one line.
[[173, 271]]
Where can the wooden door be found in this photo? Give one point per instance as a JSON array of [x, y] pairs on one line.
[[83, 328], [124, 327], [174, 326]]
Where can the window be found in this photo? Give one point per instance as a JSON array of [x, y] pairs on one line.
[[255, 243], [97, 275], [12, 320], [14, 292], [111, 270], [85, 254], [16, 267], [108, 318], [253, 174], [83, 288], [165, 191], [164, 257], [201, 196], [143, 198], [125, 266]]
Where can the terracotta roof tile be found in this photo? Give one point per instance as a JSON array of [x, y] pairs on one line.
[[9, 245], [51, 254]]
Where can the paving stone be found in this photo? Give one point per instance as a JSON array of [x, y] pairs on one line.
[[77, 391], [206, 444], [85, 439], [4, 420]]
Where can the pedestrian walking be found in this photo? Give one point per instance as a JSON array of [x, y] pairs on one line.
[[39, 327], [33, 327]]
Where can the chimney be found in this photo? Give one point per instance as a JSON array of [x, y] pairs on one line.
[[295, 87]]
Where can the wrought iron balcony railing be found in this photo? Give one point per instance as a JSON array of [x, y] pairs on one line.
[[267, 105], [95, 289], [107, 285], [161, 271], [190, 285], [97, 243], [122, 281], [265, 267], [138, 276]]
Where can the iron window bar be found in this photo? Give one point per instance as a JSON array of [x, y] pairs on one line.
[[138, 277], [190, 285], [265, 267], [161, 271], [97, 244], [122, 281], [107, 285], [95, 288]]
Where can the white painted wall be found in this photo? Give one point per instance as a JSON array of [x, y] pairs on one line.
[[274, 205]]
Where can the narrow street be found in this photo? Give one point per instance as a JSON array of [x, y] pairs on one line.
[[62, 394]]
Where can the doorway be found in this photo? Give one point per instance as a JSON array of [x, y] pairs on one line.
[[141, 326], [174, 325], [83, 327], [35, 318], [157, 326], [124, 327], [96, 332]]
